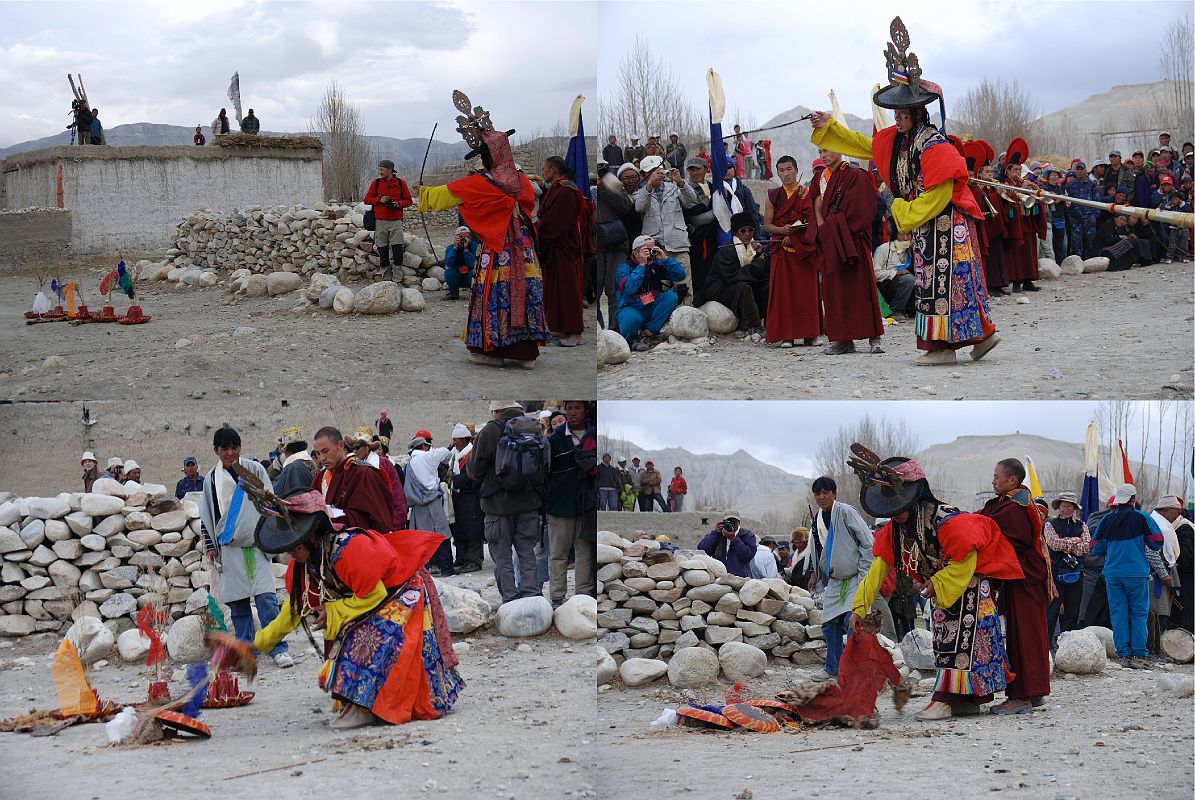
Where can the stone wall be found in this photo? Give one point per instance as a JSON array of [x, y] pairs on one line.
[[684, 529], [653, 603], [327, 238], [129, 199], [102, 554]]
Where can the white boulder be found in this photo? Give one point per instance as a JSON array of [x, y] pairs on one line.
[[577, 617], [640, 671], [741, 661], [612, 348], [693, 668], [687, 323], [1079, 652], [383, 297], [719, 318], [91, 638], [464, 609], [526, 616]]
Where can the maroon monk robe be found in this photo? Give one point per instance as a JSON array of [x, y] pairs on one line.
[[1023, 264], [360, 492], [561, 258], [1024, 601], [996, 226], [981, 231], [843, 239], [794, 298]]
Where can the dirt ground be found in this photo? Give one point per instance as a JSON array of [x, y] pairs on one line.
[[1107, 736], [190, 348], [522, 728], [1113, 335]]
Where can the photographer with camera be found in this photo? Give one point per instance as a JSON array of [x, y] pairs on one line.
[[731, 544], [662, 201], [643, 302], [389, 195], [459, 258], [81, 121]]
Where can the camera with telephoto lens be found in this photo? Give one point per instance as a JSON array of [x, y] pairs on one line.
[[728, 524]]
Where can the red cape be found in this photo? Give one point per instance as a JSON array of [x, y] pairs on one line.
[[939, 163]]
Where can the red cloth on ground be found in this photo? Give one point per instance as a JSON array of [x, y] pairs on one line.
[[1025, 601], [561, 259], [852, 305], [794, 297], [862, 671], [360, 492], [939, 163]]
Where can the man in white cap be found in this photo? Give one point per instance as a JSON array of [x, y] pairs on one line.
[[1170, 508], [1122, 537], [425, 499], [1166, 578], [132, 472], [645, 299], [468, 525], [511, 502], [662, 200], [459, 258], [634, 151], [91, 469], [115, 469]]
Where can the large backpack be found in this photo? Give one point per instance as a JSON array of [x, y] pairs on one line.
[[522, 457]]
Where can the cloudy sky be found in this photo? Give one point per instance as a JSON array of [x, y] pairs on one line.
[[170, 62], [786, 434], [773, 56]]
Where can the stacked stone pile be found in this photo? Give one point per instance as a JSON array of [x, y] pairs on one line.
[[102, 554], [656, 606], [326, 238]]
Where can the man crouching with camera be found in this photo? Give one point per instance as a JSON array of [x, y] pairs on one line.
[[645, 295], [731, 544]]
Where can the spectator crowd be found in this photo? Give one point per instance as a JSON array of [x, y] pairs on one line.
[[657, 223]]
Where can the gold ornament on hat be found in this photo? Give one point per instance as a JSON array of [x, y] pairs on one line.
[[292, 435], [903, 67]]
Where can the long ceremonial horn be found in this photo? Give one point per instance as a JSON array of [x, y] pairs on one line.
[[422, 167], [1182, 219]]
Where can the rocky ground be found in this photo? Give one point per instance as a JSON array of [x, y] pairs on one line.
[[522, 728], [203, 343], [1106, 736], [1087, 337]]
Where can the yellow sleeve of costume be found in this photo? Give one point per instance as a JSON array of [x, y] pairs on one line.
[[929, 204], [838, 138], [437, 198], [342, 611], [869, 587], [950, 581], [268, 637]]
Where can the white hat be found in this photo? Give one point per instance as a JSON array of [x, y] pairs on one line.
[[131, 465], [625, 167], [545, 414], [88, 456], [1124, 493], [640, 241], [502, 405], [459, 431], [621, 459], [115, 462], [463, 229], [1169, 501], [648, 163]]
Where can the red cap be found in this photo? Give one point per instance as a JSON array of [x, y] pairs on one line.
[[1166, 179], [425, 434], [817, 162]]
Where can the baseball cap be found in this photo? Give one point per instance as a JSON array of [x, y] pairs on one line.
[[190, 460]]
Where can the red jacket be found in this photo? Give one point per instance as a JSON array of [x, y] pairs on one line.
[[678, 486], [396, 189]]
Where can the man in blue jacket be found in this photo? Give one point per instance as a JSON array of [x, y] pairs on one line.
[[1122, 537], [731, 544], [643, 302]]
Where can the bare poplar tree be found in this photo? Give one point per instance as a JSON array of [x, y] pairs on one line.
[[646, 100], [337, 122], [997, 111], [1175, 65]]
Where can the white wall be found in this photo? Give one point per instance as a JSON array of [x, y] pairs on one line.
[[129, 199]]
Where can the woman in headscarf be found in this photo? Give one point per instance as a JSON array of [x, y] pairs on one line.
[[388, 650], [954, 557]]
